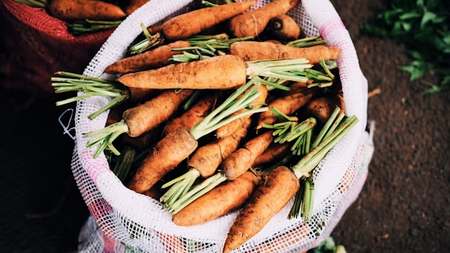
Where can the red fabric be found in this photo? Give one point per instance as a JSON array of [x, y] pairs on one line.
[[38, 44]]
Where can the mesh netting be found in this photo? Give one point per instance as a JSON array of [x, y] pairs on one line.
[[41, 45], [132, 220]]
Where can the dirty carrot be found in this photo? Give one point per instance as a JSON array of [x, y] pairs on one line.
[[322, 107], [194, 22], [220, 201], [138, 120], [287, 104], [284, 28], [268, 199], [253, 22], [231, 168], [177, 146], [221, 72], [69, 10], [255, 51], [203, 162], [194, 115], [155, 58], [134, 5], [273, 153]]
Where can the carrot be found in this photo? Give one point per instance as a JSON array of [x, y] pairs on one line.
[[255, 51], [178, 145], [154, 29], [203, 162], [194, 22], [208, 158], [192, 116], [231, 127], [155, 58], [134, 5], [221, 200], [231, 168], [221, 72], [149, 115], [287, 104], [267, 200], [159, 163], [140, 119], [273, 153], [284, 27], [322, 107], [242, 159], [69, 10], [253, 22]]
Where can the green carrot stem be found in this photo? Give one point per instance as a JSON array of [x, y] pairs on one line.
[[274, 85], [324, 85], [298, 200], [124, 162], [197, 192], [324, 66], [179, 189], [115, 101], [70, 100], [308, 141], [306, 198], [192, 99], [302, 128], [335, 124], [325, 128], [147, 44], [310, 161], [310, 206], [209, 4], [78, 76]]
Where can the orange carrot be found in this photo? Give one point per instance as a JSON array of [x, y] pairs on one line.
[[154, 29], [287, 104], [134, 5], [194, 22], [149, 115], [322, 107], [267, 200], [207, 158], [155, 58], [240, 161], [161, 160], [284, 27], [221, 72], [273, 153], [252, 23], [220, 201], [231, 127], [192, 116], [69, 10], [138, 120], [255, 51], [203, 162]]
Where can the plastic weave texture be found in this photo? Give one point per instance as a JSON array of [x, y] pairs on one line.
[[131, 221], [41, 45]]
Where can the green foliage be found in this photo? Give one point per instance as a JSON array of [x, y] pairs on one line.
[[423, 26]]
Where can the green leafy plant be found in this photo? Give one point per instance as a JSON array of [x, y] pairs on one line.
[[423, 26]]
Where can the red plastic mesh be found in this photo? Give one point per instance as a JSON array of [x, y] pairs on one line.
[[38, 44]]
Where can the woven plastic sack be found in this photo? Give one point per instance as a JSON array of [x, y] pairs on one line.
[[38, 44], [134, 221]]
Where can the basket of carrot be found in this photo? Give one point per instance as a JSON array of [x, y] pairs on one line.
[[220, 127], [46, 36]]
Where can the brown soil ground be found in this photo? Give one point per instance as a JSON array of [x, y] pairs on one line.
[[403, 206]]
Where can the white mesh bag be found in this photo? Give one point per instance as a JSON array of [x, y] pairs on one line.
[[131, 222]]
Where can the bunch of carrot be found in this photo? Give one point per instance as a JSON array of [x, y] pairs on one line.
[[239, 121], [88, 16]]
